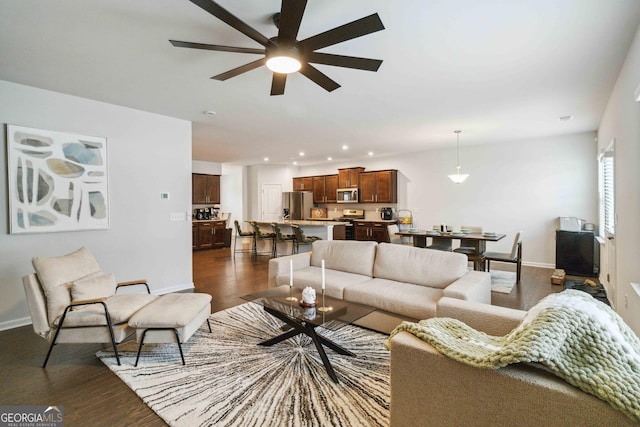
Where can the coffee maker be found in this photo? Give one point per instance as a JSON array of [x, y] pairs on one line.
[[386, 213]]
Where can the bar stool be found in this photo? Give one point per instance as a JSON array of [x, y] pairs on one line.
[[259, 235], [242, 235], [300, 238], [282, 238]]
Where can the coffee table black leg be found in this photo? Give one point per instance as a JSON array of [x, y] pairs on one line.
[[275, 340], [335, 347], [310, 331]]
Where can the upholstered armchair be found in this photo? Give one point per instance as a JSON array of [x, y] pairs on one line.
[[72, 301]]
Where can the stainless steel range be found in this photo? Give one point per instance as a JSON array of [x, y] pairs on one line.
[[350, 215]]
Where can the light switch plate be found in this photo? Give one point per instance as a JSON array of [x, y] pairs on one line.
[[177, 216], [164, 196]]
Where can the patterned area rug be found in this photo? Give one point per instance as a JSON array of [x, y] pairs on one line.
[[502, 281], [229, 380]]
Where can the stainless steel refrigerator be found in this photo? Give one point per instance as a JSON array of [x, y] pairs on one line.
[[297, 204]]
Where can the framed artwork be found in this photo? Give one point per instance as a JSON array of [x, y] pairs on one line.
[[57, 181]]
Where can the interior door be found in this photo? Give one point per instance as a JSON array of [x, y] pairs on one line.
[[271, 202]]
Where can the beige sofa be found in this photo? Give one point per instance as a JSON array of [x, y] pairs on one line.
[[429, 389], [401, 282]]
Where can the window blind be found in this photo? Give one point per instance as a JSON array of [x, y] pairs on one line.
[[607, 201]]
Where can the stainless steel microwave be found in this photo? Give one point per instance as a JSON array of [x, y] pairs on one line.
[[347, 195]]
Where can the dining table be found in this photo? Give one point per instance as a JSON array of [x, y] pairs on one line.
[[445, 238]]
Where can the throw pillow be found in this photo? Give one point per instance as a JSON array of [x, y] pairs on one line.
[[56, 275], [93, 288]]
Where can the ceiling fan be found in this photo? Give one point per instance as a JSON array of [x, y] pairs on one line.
[[286, 51]]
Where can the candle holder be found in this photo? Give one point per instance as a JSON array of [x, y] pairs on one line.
[[291, 297], [323, 308]]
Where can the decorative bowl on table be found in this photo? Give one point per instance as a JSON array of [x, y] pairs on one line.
[[466, 231], [489, 234], [433, 232], [413, 230], [457, 234]]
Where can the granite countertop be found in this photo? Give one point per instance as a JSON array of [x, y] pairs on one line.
[[208, 220], [305, 222], [386, 221]]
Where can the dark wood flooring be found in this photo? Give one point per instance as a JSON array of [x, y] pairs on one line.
[[92, 395]]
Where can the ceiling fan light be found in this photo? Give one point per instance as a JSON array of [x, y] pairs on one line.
[[283, 64]]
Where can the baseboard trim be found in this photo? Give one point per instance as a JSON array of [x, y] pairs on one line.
[[16, 323], [538, 264], [185, 287], [24, 321]]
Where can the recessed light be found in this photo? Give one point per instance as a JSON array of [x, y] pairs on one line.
[[329, 158], [370, 153], [345, 147], [295, 163], [565, 118], [301, 154], [209, 113], [266, 159]]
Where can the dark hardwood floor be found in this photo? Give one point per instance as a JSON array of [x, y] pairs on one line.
[[92, 395]]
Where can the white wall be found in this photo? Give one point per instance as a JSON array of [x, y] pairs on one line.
[[520, 185], [621, 121], [259, 175], [147, 154]]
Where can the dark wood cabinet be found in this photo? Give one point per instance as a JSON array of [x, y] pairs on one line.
[[303, 183], [379, 186], [205, 189], [325, 189], [349, 178], [371, 231], [209, 234]]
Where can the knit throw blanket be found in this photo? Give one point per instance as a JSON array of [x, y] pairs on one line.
[[576, 337]]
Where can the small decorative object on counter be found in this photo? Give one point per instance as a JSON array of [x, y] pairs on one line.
[[308, 297], [557, 278]]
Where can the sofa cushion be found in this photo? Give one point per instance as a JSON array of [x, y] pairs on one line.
[[121, 308], [92, 288], [57, 273], [345, 255], [406, 299], [426, 267], [335, 281]]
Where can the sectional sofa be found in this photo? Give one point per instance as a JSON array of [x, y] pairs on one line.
[[401, 282]]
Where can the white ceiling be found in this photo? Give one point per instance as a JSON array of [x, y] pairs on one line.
[[499, 70]]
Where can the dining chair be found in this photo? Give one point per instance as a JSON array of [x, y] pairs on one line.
[[282, 238], [515, 256], [242, 235], [470, 247], [265, 237], [438, 243], [301, 238], [392, 229]]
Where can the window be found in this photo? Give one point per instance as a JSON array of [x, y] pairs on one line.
[[606, 184]]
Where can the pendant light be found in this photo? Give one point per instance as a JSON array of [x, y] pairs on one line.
[[458, 177]]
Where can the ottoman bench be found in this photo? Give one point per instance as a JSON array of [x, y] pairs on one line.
[[171, 318]]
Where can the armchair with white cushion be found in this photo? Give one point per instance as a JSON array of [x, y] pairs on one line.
[[72, 301]]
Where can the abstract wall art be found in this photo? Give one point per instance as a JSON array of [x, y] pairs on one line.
[[57, 181]]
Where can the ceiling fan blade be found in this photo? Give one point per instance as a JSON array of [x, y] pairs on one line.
[[216, 47], [290, 19], [344, 61], [360, 27], [227, 17], [315, 75], [277, 84], [242, 69]]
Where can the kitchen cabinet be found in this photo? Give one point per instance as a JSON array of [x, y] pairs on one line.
[[325, 189], [379, 186], [205, 189], [209, 234], [304, 183], [371, 231], [349, 178]]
